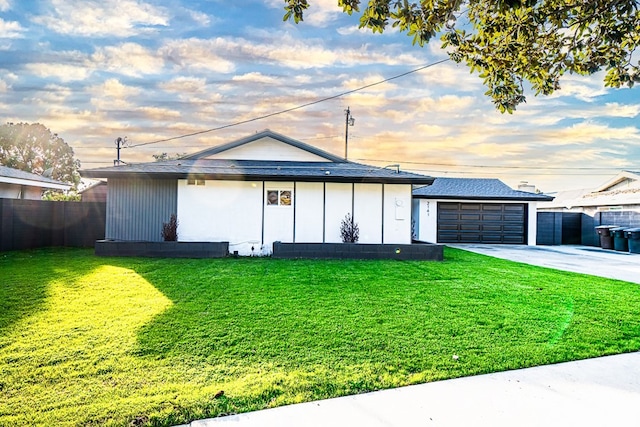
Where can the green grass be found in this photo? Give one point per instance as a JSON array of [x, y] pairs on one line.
[[130, 341]]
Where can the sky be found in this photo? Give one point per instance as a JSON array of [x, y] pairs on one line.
[[93, 71]]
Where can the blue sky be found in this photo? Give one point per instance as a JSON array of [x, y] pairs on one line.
[[93, 71]]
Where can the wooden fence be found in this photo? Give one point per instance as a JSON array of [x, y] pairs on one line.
[[28, 224]]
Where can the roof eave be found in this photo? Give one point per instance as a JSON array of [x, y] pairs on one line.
[[493, 198], [258, 177]]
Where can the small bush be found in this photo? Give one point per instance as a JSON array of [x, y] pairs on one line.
[[170, 229], [349, 230]]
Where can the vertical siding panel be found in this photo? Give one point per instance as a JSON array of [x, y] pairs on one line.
[[136, 208]]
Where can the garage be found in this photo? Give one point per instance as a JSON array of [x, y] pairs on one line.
[[474, 210], [482, 223]]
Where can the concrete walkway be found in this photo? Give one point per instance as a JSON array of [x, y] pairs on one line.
[[579, 259], [595, 392]]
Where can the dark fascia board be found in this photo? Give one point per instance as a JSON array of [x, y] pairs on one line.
[[263, 177], [537, 198], [260, 135]]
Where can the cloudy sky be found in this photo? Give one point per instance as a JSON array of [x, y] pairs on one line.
[[92, 71]]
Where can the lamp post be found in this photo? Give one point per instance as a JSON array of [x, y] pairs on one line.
[[349, 121]]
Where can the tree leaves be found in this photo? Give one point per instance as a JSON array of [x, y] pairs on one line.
[[33, 148], [510, 42]]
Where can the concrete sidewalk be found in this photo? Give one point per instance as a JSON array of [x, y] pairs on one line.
[[595, 392], [578, 259]]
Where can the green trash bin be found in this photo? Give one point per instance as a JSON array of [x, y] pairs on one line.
[[620, 242], [633, 237], [606, 238]]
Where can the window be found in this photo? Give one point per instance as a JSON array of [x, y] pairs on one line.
[[193, 181], [279, 197]]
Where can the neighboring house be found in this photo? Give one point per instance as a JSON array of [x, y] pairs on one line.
[[258, 190], [621, 193], [17, 184], [94, 192], [469, 210], [572, 216]]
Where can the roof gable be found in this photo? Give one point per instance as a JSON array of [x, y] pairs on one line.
[[623, 181], [266, 146]]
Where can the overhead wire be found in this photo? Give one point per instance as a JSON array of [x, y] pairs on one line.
[[288, 110]]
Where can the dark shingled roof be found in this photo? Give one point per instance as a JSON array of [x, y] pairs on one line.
[[247, 170], [18, 174], [475, 189]]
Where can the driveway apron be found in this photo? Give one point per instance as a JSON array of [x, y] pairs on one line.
[[578, 259]]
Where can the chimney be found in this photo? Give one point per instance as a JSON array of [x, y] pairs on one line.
[[525, 186]]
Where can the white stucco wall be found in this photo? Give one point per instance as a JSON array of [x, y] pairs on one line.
[[397, 213], [427, 218], [278, 220], [221, 211], [532, 226], [309, 205], [268, 148], [236, 211], [367, 212], [337, 205]]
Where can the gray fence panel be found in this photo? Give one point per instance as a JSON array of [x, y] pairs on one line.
[[549, 228], [29, 224]]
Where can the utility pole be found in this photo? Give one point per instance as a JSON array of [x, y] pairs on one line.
[[120, 143], [349, 121]]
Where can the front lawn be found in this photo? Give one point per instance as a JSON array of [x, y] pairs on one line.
[[131, 341]]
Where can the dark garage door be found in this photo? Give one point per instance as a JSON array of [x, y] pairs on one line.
[[482, 223]]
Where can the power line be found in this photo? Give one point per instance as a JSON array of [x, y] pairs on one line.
[[288, 110], [490, 166]]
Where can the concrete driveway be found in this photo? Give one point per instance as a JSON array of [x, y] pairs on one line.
[[579, 259]]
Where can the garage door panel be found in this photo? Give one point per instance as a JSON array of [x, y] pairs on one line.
[[469, 237], [448, 217], [492, 208], [468, 217], [482, 223], [491, 217], [449, 227], [470, 227], [470, 207]]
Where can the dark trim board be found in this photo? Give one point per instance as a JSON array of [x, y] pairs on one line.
[[162, 249], [406, 252]]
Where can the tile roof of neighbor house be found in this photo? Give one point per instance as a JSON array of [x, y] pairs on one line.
[[222, 169], [38, 180], [475, 189]]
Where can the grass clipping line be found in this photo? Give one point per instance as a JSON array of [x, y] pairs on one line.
[[130, 341]]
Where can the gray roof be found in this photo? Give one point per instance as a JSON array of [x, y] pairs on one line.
[[475, 189], [8, 172], [247, 170], [265, 133]]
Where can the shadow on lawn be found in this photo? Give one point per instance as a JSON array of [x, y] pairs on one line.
[[26, 276]]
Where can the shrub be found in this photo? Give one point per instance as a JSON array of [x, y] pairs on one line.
[[349, 230], [170, 229]]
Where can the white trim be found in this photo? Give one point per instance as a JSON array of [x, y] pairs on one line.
[[30, 183]]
